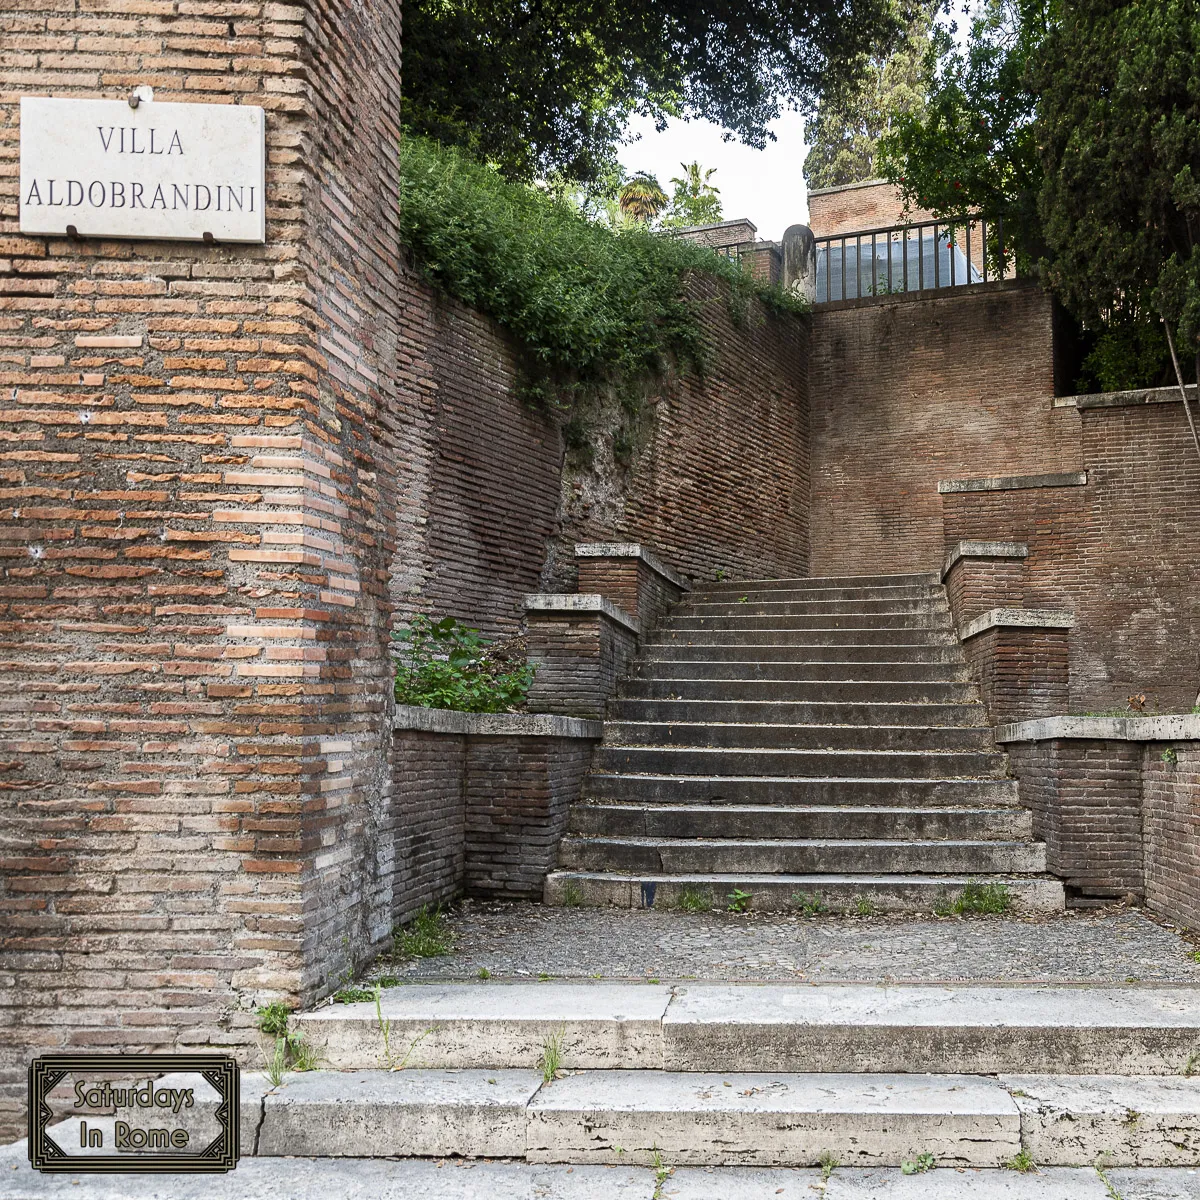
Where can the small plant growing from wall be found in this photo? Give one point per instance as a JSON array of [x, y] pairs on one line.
[[445, 664]]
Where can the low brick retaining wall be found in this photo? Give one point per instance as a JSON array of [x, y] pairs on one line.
[[1117, 801], [479, 801]]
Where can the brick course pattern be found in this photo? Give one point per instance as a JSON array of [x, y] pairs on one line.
[[632, 585], [197, 525], [1021, 671], [1171, 823], [1122, 553], [578, 657], [909, 391], [1086, 802]]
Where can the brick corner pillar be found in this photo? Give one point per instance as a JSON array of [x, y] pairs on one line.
[[198, 452], [633, 577], [981, 575], [579, 646], [1021, 659]]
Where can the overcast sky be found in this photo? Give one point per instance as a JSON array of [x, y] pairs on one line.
[[765, 185]]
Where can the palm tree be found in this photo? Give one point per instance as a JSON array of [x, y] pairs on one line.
[[694, 183], [642, 198]]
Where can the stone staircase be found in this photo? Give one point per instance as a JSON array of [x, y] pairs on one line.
[[802, 742]]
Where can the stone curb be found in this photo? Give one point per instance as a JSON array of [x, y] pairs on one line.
[[1178, 728], [588, 602], [1014, 483], [445, 720], [1017, 618]]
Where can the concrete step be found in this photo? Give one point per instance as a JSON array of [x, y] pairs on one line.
[[959, 716], [849, 1028], [719, 791], [773, 1118], [938, 738], [925, 579], [857, 672], [762, 821], [829, 636], [810, 691], [808, 856], [882, 655], [866, 764], [702, 606], [683, 624], [790, 893]]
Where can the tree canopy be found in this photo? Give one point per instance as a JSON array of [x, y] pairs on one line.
[[1119, 126], [856, 110], [696, 199], [545, 87]]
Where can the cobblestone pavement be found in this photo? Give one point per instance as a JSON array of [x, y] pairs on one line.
[[1115, 945]]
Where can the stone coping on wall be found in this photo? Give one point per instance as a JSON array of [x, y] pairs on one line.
[[1017, 618], [564, 602], [965, 549], [631, 550], [1014, 483], [1180, 727], [1162, 395], [446, 720]]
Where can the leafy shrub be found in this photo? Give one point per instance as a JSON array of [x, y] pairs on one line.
[[586, 301], [445, 664]]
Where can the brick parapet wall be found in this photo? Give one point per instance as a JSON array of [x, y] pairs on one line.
[[979, 583], [1022, 672], [633, 585], [1086, 798], [907, 392], [579, 658], [200, 486]]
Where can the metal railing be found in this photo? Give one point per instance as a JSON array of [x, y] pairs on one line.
[[910, 258]]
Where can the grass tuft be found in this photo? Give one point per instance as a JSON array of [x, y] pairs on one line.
[[427, 935]]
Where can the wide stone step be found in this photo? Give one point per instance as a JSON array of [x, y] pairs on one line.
[[800, 671], [696, 606], [924, 579], [755, 856], [792, 893], [787, 713], [911, 1028], [850, 620], [733, 593], [800, 691], [869, 655], [716, 791], [937, 738], [766, 821], [830, 636], [867, 764]]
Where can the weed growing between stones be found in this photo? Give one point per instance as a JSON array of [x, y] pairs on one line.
[[919, 1165], [285, 1051], [810, 904], [273, 1018], [353, 995], [483, 973], [661, 1174], [737, 900], [1023, 1162], [427, 935], [551, 1063], [1113, 1194], [695, 900], [864, 906], [572, 894], [829, 1164], [976, 897]]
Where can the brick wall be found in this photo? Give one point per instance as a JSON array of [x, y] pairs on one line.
[[871, 205], [197, 524], [908, 391], [1122, 553], [1086, 798], [1022, 671], [1171, 819]]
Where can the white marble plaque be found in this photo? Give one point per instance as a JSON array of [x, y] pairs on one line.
[[177, 171]]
